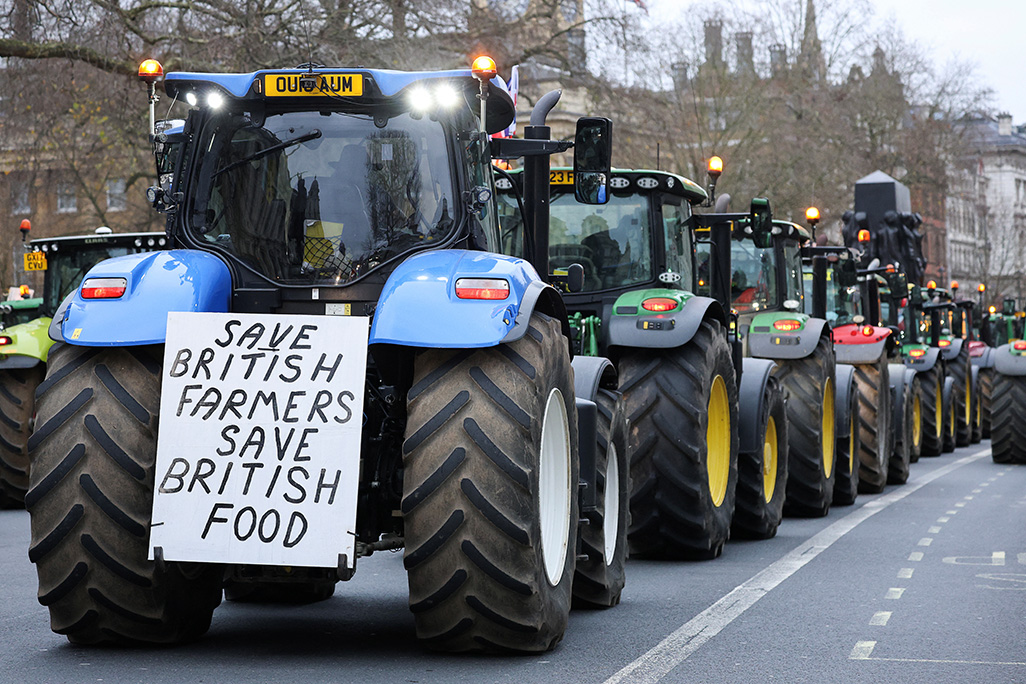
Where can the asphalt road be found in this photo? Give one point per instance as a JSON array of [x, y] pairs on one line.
[[923, 583]]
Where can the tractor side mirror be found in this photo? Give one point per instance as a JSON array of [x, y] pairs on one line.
[[760, 218], [593, 148]]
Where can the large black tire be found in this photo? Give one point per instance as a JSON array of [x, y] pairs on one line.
[[874, 425], [1008, 427], [90, 495], [915, 398], [490, 515], [976, 410], [960, 370], [846, 481], [811, 433], [931, 389], [950, 421], [600, 574], [17, 409], [986, 389], [901, 452], [680, 506], [762, 476]]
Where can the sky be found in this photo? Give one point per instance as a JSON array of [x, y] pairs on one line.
[[987, 33]]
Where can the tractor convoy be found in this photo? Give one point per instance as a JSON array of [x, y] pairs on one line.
[[363, 331]]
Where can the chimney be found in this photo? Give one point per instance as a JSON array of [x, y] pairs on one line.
[[745, 54], [1004, 123], [714, 42], [778, 58]]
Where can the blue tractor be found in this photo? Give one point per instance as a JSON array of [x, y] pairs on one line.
[[296, 198]]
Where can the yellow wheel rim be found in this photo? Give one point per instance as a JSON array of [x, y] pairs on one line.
[[717, 440], [829, 435], [851, 444], [769, 460], [968, 397], [917, 420], [939, 413]]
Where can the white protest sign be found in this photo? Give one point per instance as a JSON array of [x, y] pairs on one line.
[[258, 453]]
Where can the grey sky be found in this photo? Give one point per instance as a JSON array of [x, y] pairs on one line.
[[988, 33]]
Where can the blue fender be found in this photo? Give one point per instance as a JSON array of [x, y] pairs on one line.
[[418, 306], [751, 397], [157, 282]]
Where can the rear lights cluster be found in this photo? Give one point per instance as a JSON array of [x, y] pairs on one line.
[[5, 340], [103, 288], [660, 304], [787, 325], [482, 288], [1017, 346], [916, 353]]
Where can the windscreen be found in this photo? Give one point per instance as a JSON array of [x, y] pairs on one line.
[[613, 241], [753, 279], [323, 197], [842, 294]]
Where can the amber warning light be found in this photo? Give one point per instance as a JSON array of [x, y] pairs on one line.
[[812, 215], [484, 68], [150, 70], [981, 288], [715, 166], [863, 235]]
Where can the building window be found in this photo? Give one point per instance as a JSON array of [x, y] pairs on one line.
[[20, 197], [67, 202], [116, 194]]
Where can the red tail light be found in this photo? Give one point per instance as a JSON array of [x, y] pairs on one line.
[[916, 353], [868, 331], [482, 288], [787, 324], [660, 304], [945, 343], [5, 340], [1018, 346], [103, 288]]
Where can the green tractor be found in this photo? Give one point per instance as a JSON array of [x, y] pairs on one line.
[[767, 294], [1008, 393], [697, 472], [25, 342]]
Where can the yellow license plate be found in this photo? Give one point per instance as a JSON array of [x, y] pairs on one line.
[[35, 261], [327, 85], [559, 177]]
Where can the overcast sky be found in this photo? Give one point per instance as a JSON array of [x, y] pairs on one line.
[[989, 33]]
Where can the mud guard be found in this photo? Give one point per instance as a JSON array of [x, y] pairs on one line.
[[860, 353], [787, 345], [676, 328], [951, 352], [590, 374], [897, 377], [984, 360], [418, 306], [156, 283], [1008, 362], [844, 380], [751, 402], [925, 362]]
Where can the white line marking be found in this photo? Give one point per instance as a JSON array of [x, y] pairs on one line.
[[905, 573], [862, 650], [894, 593], [653, 665], [976, 491], [967, 498], [943, 519], [925, 541], [960, 504], [934, 530], [930, 660], [915, 556], [880, 618], [985, 484], [950, 512]]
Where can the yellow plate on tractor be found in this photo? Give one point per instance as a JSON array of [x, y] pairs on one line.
[[316, 85]]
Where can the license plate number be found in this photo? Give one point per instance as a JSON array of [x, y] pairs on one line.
[[319, 85], [559, 177], [35, 261]]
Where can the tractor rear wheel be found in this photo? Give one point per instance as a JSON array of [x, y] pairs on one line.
[[901, 454], [916, 398], [682, 407], [809, 383], [846, 482], [961, 371], [762, 476], [950, 419], [490, 493], [986, 389], [1008, 430], [931, 390], [90, 495], [600, 574], [874, 422], [17, 409]]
